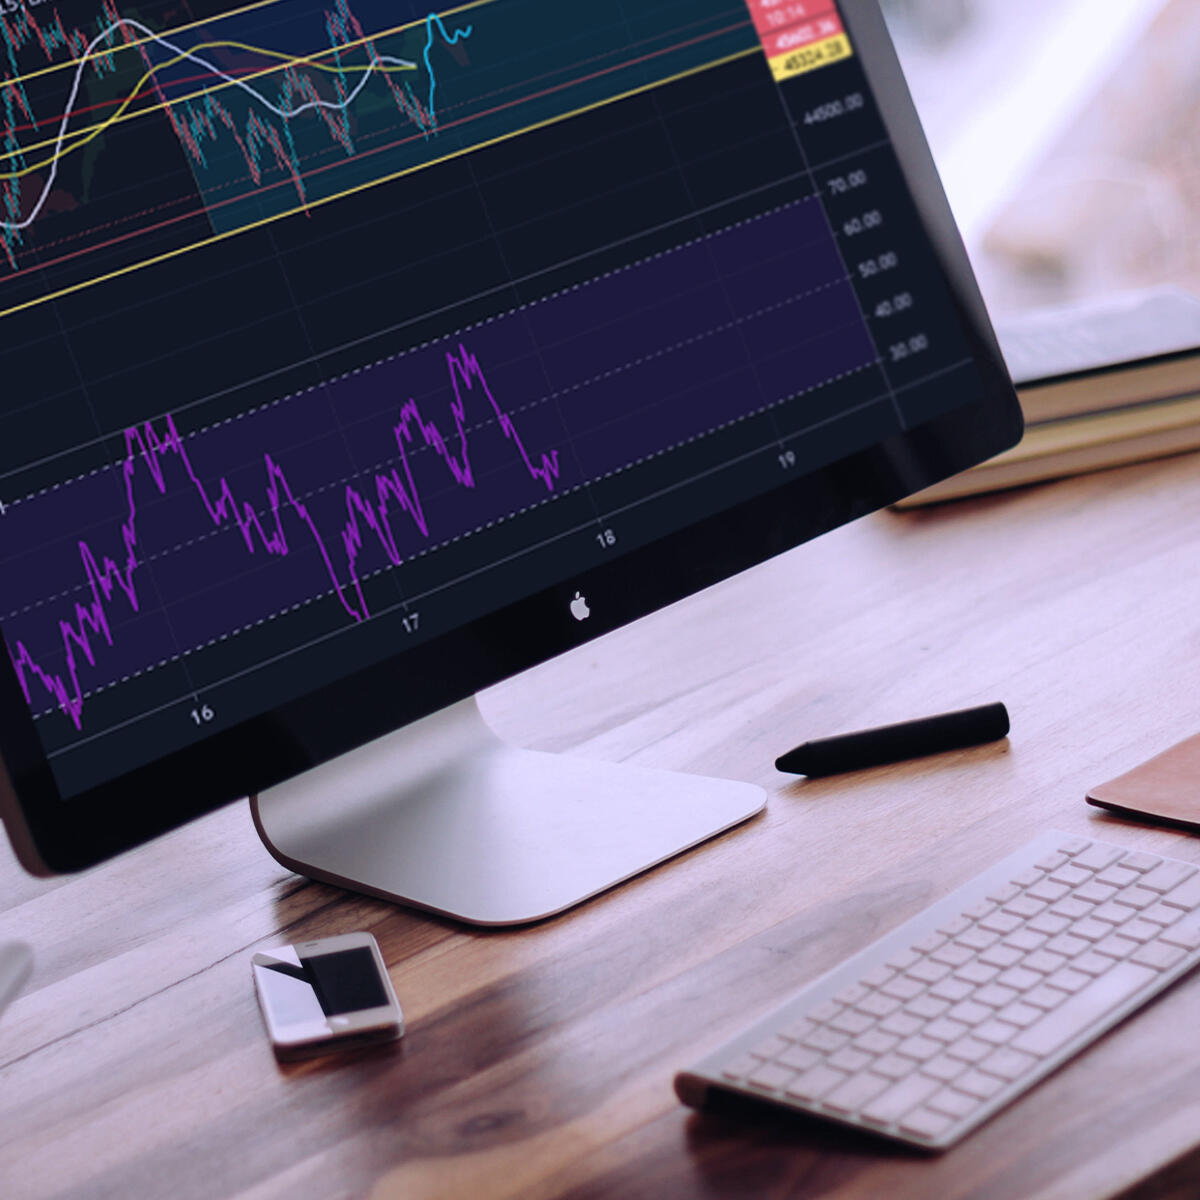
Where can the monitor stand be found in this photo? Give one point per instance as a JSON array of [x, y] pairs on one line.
[[444, 816]]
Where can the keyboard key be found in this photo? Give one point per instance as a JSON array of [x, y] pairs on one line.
[[1066, 945], [1096, 858], [969, 1050], [771, 1076], [924, 1123], [1072, 876], [1118, 877], [825, 1039], [1140, 862], [1113, 913], [1007, 1063], [771, 1048], [817, 1083], [954, 1104], [945, 1029], [919, 1048], [876, 1042], [1072, 908], [741, 1067], [1186, 934], [995, 995], [1045, 997], [952, 990], [978, 911], [1027, 879], [1026, 940], [799, 1058], [852, 995], [1186, 895], [1091, 963], [1116, 946], [1051, 862], [943, 1068], [824, 1012], [849, 1059], [976, 1083], [1067, 980], [1167, 876], [1073, 846], [978, 939], [1158, 955], [892, 1066], [1019, 1014], [1136, 897], [1044, 961], [995, 1033], [1095, 893], [1002, 957], [928, 1007], [1140, 930], [1161, 914], [876, 1005], [851, 1022], [1004, 893], [927, 945], [954, 926], [1048, 890], [928, 972], [902, 988], [855, 1092], [1049, 924], [901, 1024], [903, 960], [877, 978], [901, 1099], [976, 972], [970, 1013], [1091, 929], [1083, 1009], [1020, 979], [1001, 922], [1024, 907], [953, 955]]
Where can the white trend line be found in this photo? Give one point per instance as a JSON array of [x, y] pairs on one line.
[[150, 35]]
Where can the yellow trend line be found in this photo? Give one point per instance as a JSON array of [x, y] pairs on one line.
[[97, 130]]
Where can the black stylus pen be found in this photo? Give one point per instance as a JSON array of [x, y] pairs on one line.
[[897, 743]]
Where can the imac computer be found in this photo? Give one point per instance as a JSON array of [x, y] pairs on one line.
[[356, 356]]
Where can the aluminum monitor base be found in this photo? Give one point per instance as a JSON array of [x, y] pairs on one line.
[[443, 815]]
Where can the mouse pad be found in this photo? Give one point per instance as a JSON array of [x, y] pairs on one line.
[[1166, 788]]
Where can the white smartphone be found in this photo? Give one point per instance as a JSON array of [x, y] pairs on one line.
[[327, 995]]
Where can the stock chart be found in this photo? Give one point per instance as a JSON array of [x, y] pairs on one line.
[[330, 325]]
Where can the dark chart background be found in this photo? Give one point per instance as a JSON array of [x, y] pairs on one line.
[[356, 428]]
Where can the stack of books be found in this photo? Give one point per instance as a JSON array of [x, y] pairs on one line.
[[1142, 403]]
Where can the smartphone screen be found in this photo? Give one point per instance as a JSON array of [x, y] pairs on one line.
[[298, 990]]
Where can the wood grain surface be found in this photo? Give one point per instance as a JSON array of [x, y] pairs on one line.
[[538, 1063]]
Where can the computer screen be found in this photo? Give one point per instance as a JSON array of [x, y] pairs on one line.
[[357, 355]]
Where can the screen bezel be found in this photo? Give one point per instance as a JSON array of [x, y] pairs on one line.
[[52, 835]]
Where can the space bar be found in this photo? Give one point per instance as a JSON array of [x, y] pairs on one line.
[[1083, 1009]]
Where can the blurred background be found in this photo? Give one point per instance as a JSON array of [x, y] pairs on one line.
[[1065, 134]]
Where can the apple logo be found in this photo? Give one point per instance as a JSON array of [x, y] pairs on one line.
[[579, 608]]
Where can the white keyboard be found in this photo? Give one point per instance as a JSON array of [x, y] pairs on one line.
[[938, 1025]]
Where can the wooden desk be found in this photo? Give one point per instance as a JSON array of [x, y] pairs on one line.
[[539, 1063]]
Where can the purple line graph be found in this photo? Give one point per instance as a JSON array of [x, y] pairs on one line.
[[366, 514], [193, 538]]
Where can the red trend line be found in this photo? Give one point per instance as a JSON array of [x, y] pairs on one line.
[[397, 487]]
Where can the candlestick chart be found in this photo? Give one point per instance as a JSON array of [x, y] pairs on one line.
[[264, 112]]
